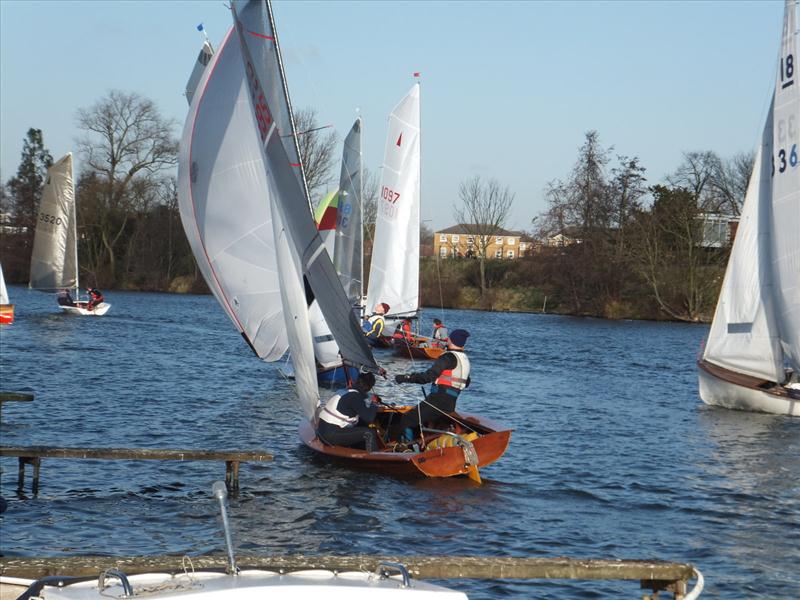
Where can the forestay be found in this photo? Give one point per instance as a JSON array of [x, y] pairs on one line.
[[54, 261], [394, 273], [225, 203], [255, 34], [757, 321], [348, 253]]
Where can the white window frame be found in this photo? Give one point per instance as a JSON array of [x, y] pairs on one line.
[[498, 254], [470, 239], [442, 238], [455, 238], [511, 241], [498, 240], [442, 251], [510, 254]]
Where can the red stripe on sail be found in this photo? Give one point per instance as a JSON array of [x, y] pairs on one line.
[[261, 35], [328, 220], [400, 139], [294, 164]]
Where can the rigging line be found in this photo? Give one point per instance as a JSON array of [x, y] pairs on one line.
[[448, 415], [441, 298]]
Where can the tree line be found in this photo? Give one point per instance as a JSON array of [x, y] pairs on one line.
[[636, 249]]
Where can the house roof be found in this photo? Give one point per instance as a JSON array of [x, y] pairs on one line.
[[462, 228]]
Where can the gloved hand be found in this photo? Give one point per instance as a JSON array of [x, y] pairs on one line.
[[401, 378]]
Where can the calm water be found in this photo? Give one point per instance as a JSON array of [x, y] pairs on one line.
[[614, 455]]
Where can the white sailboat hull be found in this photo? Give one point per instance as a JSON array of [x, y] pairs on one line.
[[97, 311], [716, 391], [249, 585]]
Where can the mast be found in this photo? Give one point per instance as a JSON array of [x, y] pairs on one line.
[[285, 88]]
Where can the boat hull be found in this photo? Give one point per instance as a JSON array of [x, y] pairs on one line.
[[80, 309], [6, 314], [336, 376], [438, 462], [417, 348], [724, 388]]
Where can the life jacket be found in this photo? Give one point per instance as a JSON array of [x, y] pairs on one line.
[[439, 332], [376, 324], [403, 331], [330, 411], [455, 379]]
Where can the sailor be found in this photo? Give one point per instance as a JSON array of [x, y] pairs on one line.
[[449, 374], [95, 298], [344, 419], [65, 298], [374, 324], [439, 333], [403, 331]]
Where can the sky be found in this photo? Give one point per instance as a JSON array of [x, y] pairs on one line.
[[509, 89]]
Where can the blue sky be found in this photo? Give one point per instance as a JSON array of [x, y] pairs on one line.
[[508, 88]]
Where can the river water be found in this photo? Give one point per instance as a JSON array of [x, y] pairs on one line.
[[614, 455]]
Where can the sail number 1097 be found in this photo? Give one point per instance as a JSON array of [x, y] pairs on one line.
[[390, 195]]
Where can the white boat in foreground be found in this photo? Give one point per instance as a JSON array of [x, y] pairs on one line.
[[752, 358]]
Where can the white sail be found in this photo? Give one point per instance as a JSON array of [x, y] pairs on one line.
[[256, 34], [54, 261], [3, 289], [756, 325], [743, 336], [785, 196], [296, 317], [225, 203], [394, 271], [203, 58], [348, 246]]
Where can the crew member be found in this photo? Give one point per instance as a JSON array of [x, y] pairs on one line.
[[374, 324], [95, 298], [344, 419], [403, 331], [449, 375], [65, 298], [439, 333]]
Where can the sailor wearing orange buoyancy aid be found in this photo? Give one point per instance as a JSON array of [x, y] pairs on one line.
[[449, 375], [344, 418]]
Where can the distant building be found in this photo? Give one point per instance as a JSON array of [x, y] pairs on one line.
[[718, 230], [456, 242]]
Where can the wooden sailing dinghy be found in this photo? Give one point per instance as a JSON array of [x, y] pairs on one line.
[[418, 347], [751, 360]]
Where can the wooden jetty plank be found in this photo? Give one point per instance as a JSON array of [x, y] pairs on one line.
[[16, 397], [420, 567], [33, 455]]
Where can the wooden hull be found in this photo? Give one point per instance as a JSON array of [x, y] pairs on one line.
[[437, 462], [381, 342], [6, 314], [80, 309], [721, 387], [417, 348]]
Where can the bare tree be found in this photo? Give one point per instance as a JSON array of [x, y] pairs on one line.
[[730, 181], [483, 212], [317, 151], [125, 147]]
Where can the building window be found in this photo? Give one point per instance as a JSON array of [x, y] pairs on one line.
[[510, 241], [455, 238], [443, 251], [510, 254], [442, 238], [470, 239], [499, 240], [498, 254]]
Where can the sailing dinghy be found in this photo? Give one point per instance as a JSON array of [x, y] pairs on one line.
[[751, 360], [6, 308], [54, 261]]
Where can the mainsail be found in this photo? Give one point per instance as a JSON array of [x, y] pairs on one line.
[[225, 200], [756, 327], [348, 247], [54, 262], [394, 271], [261, 56], [3, 289]]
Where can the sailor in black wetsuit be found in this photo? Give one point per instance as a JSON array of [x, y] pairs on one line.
[[344, 418], [449, 374]]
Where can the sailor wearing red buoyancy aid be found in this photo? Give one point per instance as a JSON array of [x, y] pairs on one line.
[[344, 418], [449, 374]]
